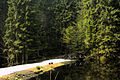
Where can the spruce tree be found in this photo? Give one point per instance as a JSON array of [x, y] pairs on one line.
[[3, 15], [82, 28], [97, 28], [65, 12], [100, 21], [108, 35], [19, 34]]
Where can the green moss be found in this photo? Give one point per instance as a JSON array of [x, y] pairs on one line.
[[38, 67]]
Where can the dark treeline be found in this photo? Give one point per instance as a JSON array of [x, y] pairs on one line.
[[32, 29]]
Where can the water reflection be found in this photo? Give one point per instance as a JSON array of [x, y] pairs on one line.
[[84, 71], [104, 72]]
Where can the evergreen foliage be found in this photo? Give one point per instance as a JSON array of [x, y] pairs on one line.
[[20, 25], [3, 15], [37, 28], [65, 13], [108, 35], [97, 27]]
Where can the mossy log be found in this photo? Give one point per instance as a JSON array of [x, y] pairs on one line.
[[32, 72]]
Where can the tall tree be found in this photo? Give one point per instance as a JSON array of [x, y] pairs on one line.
[[108, 36], [97, 28], [3, 15], [101, 21], [65, 13], [19, 34]]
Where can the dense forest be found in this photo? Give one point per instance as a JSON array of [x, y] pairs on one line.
[[31, 29]]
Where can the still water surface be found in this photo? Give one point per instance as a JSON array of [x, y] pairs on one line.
[[83, 71]]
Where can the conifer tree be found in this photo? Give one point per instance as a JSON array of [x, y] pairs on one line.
[[65, 12], [108, 35], [81, 29], [19, 34], [3, 15], [97, 28], [100, 21]]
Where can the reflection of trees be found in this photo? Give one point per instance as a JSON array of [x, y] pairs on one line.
[[103, 72], [74, 72], [68, 78], [88, 71], [92, 71]]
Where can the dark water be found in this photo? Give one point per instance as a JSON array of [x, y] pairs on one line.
[[83, 71]]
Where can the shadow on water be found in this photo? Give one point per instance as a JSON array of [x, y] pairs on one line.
[[83, 71]]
